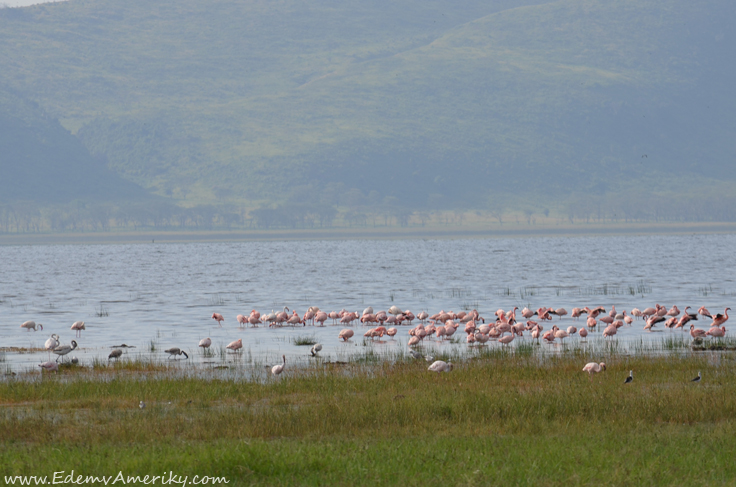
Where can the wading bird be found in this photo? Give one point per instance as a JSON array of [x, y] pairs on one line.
[[64, 349], [440, 366], [218, 318], [593, 368], [116, 354], [49, 366], [236, 345], [205, 342], [315, 349], [31, 325], [277, 369], [175, 352], [51, 343], [78, 326]]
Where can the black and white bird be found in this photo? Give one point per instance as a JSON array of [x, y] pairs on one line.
[[175, 351], [315, 349], [630, 378], [64, 349], [697, 379], [142, 405]]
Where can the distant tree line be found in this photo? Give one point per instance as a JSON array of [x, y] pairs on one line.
[[78, 216]]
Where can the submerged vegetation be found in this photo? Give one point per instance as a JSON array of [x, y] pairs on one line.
[[499, 417]]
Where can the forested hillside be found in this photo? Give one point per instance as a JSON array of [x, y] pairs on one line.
[[415, 105]]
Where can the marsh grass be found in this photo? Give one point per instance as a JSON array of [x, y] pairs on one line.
[[101, 311], [502, 417], [304, 340]]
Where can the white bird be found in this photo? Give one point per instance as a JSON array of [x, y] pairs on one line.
[[31, 325], [277, 369], [49, 366], [51, 343], [175, 351], [394, 310], [205, 342], [78, 326], [440, 366], [429, 358], [64, 349], [316, 348], [236, 345]]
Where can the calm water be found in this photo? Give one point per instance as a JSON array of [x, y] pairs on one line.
[[165, 293]]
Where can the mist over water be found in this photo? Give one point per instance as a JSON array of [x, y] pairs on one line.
[[165, 294]]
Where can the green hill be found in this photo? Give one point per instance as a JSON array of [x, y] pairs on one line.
[[424, 104], [40, 161]]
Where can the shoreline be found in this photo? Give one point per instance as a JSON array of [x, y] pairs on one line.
[[376, 233]]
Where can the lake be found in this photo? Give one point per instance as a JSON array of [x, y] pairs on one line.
[[163, 295]]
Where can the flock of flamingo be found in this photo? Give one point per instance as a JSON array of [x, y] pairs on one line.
[[443, 325]]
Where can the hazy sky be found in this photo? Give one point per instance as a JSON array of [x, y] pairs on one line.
[[22, 3]]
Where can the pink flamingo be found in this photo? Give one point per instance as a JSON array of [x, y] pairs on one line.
[[591, 323], [392, 332], [561, 334], [294, 319], [236, 345], [583, 333], [49, 366], [593, 368], [704, 312], [720, 319], [218, 318], [277, 369], [320, 318], [253, 319], [674, 311], [505, 340], [78, 326], [31, 325], [333, 316], [345, 334], [716, 332], [576, 312], [696, 332], [242, 320], [560, 312]]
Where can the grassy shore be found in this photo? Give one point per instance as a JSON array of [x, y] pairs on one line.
[[501, 419]]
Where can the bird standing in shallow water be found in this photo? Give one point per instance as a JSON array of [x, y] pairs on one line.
[[115, 354], [78, 326], [64, 349], [630, 378], [175, 352], [277, 369], [315, 349], [697, 379]]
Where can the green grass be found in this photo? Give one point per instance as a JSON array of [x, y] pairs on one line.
[[304, 340], [497, 419]]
